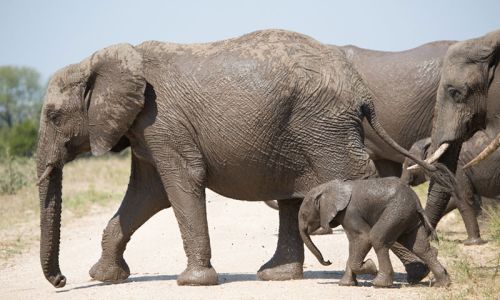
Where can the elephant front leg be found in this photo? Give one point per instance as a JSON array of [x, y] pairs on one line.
[[184, 179], [359, 246], [288, 259], [143, 199]]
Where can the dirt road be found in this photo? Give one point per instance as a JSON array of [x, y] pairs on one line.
[[243, 237]]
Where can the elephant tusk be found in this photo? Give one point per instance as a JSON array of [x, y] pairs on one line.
[[434, 157], [45, 174], [485, 153]]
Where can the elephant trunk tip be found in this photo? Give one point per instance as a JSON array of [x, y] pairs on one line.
[[58, 281], [325, 263]]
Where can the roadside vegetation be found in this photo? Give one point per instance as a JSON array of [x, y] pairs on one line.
[[89, 184]]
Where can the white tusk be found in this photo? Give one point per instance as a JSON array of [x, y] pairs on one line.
[[45, 174], [434, 157], [437, 154]]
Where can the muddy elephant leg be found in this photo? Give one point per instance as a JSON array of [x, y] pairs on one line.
[[418, 241], [145, 197], [359, 246], [465, 206], [184, 179], [288, 259]]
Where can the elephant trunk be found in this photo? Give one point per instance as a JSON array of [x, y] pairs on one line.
[[439, 196], [49, 187], [303, 229]]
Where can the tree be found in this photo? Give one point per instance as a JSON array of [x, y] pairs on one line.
[[20, 95], [20, 102]]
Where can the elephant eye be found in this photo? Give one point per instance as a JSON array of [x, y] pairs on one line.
[[456, 94], [54, 117]]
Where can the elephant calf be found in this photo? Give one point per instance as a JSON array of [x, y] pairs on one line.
[[373, 212]]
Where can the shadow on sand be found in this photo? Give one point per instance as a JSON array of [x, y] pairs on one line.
[[331, 277]]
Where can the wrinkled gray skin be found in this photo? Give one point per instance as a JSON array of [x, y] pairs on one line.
[[374, 213], [480, 180], [468, 98], [405, 84], [264, 116]]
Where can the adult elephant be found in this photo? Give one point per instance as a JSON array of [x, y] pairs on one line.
[[405, 85], [468, 99], [264, 116], [475, 179]]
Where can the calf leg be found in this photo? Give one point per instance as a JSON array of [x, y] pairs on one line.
[[359, 245], [418, 242]]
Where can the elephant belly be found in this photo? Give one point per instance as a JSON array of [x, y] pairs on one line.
[[282, 173]]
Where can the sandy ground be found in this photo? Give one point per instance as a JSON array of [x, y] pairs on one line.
[[243, 237]]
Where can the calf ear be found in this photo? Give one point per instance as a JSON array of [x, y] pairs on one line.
[[335, 198]]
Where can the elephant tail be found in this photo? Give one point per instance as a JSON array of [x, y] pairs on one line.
[[438, 172], [426, 222]]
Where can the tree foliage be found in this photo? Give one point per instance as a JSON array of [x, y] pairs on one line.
[[20, 102]]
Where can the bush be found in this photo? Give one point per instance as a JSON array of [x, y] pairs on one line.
[[20, 140], [15, 173]]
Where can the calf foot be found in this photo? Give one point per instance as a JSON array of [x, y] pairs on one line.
[[369, 267], [415, 272], [474, 241], [347, 280], [110, 270], [382, 280], [198, 276], [442, 282]]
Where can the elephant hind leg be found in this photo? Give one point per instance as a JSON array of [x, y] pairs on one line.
[[418, 242], [144, 198], [288, 259]]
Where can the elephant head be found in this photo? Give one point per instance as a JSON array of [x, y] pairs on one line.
[[468, 80], [319, 208], [88, 106]]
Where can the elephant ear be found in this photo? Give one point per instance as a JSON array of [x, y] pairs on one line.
[[115, 94], [334, 198]]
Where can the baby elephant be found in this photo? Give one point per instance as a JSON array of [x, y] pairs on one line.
[[373, 212]]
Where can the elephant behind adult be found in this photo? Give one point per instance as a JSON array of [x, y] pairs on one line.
[[264, 116], [405, 85]]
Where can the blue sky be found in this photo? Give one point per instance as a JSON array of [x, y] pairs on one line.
[[50, 34]]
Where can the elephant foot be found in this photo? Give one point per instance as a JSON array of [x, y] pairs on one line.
[[442, 282], [382, 280], [474, 241], [415, 272], [369, 267], [110, 271], [198, 276], [289, 271], [348, 281], [322, 231]]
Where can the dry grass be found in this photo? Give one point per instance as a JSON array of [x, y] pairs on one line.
[[87, 182]]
